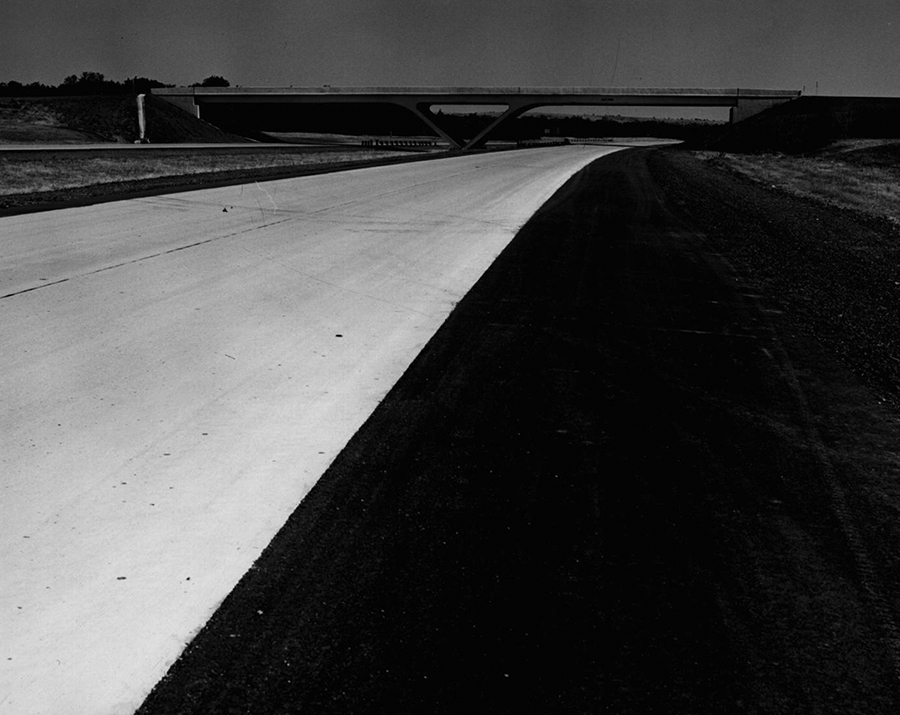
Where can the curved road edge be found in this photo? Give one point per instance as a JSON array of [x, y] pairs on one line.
[[608, 482]]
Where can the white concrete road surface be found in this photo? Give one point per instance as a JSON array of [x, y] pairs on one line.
[[176, 372]]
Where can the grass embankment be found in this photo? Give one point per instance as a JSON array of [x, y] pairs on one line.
[[810, 124], [839, 151], [23, 174], [859, 175], [99, 119]]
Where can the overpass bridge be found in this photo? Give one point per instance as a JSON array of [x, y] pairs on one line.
[[517, 100]]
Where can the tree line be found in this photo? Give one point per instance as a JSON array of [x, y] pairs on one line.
[[96, 83]]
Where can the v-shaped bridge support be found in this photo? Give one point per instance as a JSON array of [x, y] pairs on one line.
[[423, 111]]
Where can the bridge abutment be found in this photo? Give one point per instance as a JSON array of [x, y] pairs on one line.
[[747, 108], [182, 101]]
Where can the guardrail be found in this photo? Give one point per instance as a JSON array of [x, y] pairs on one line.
[[400, 142], [552, 141]]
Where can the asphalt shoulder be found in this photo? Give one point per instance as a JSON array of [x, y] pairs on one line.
[[606, 484]]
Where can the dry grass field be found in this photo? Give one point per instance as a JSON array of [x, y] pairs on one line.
[[860, 175], [26, 174]]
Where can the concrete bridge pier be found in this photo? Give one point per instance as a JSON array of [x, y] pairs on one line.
[[513, 110], [423, 111]]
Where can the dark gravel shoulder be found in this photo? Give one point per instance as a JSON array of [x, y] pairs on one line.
[[633, 473], [828, 280], [836, 271]]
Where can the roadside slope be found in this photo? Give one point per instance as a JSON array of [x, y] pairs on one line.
[[811, 123], [100, 118], [611, 481]]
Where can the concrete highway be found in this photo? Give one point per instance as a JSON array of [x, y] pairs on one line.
[[176, 372], [622, 477]]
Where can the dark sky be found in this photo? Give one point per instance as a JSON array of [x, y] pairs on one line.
[[850, 48]]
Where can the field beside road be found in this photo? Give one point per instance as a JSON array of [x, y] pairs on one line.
[[53, 180], [858, 175], [22, 174], [80, 151]]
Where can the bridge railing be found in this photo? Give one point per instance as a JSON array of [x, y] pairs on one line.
[[400, 142]]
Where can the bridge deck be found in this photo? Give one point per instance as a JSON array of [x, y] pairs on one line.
[[480, 95]]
